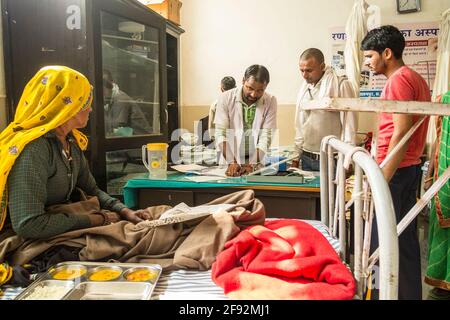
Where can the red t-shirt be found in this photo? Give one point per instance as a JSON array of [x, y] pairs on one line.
[[404, 85]]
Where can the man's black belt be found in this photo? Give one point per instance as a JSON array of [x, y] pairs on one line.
[[311, 155]]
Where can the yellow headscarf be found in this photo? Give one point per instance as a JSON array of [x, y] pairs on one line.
[[53, 96]]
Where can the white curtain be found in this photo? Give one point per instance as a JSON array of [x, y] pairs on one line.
[[441, 83], [442, 80], [356, 29]]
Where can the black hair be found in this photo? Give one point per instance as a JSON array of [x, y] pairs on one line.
[[259, 72], [313, 53], [384, 37], [228, 83]]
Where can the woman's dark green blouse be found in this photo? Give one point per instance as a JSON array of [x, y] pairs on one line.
[[43, 176]]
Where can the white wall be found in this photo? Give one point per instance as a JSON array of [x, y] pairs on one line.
[[225, 37]]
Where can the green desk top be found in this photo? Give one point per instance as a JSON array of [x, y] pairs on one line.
[[177, 180]]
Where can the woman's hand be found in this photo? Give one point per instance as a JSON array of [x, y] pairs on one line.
[[134, 216]]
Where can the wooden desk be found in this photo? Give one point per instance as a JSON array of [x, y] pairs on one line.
[[300, 201]]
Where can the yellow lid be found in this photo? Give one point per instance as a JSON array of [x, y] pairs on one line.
[[157, 146]]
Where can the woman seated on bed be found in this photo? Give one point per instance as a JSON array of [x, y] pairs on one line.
[[42, 160]]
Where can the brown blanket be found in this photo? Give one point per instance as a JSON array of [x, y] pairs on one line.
[[174, 243]]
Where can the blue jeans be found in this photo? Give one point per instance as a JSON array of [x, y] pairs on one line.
[[309, 164], [403, 186]]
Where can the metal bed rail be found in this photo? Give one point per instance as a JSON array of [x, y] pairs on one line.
[[371, 192], [418, 108]]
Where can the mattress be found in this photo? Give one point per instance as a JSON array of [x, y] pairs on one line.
[[188, 284]]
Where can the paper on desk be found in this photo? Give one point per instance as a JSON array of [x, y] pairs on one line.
[[188, 167], [204, 178], [201, 170], [214, 171]]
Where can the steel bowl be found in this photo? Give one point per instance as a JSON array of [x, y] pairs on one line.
[[148, 274], [74, 271], [116, 272]]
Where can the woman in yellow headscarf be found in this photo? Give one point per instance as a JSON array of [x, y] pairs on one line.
[[42, 160]]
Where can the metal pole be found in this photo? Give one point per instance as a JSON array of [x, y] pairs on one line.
[[330, 183], [324, 187], [357, 218], [341, 194]]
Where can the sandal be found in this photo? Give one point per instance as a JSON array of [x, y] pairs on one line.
[[439, 294]]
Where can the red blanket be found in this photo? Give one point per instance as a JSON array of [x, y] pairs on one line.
[[284, 259]]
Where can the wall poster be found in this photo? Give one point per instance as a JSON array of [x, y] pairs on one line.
[[420, 54]]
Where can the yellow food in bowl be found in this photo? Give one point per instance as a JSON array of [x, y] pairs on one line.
[[141, 275], [105, 275], [69, 273]]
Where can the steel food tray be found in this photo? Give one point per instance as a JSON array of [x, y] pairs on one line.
[[75, 280]]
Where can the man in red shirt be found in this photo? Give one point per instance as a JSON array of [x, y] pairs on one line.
[[383, 49]]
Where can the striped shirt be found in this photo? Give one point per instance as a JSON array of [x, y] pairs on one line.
[[248, 116]]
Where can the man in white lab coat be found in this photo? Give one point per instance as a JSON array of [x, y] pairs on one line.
[[245, 120], [312, 126]]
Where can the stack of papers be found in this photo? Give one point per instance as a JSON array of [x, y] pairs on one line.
[[202, 173]]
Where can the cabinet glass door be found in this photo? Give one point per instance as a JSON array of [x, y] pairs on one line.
[[131, 95], [130, 54]]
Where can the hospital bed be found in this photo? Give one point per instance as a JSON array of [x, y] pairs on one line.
[[188, 284], [192, 284], [369, 195]]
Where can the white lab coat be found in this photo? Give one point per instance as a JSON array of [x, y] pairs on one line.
[[229, 115]]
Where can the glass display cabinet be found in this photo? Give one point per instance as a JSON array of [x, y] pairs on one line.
[[124, 49]]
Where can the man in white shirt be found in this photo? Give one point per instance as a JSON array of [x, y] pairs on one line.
[[245, 120], [312, 126]]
